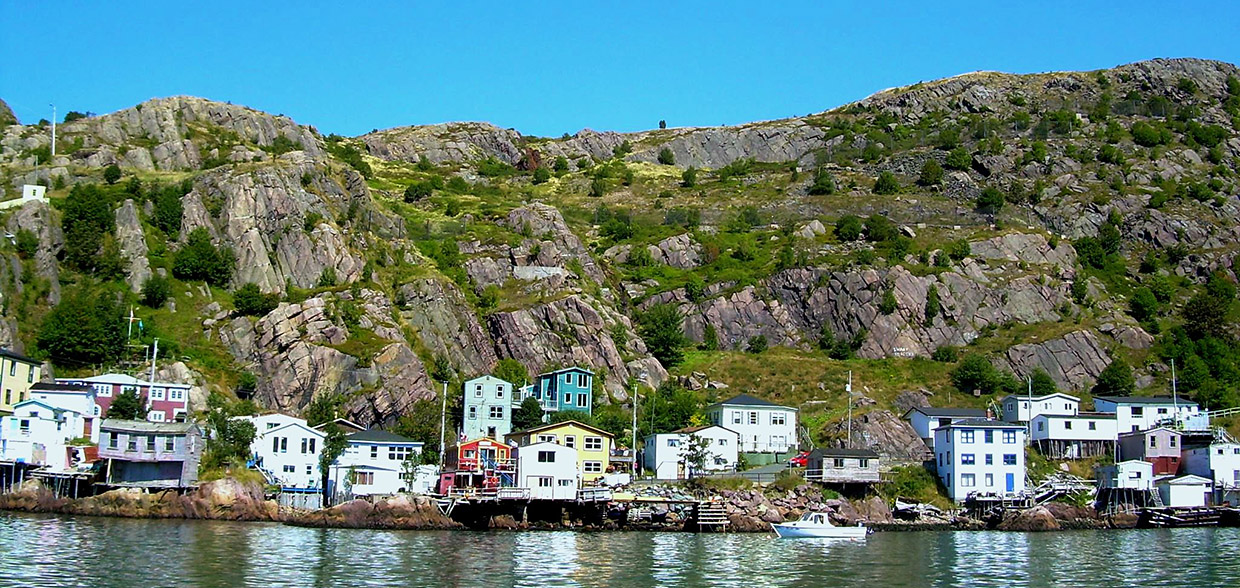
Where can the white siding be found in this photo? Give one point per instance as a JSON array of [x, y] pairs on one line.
[[762, 429], [962, 461]]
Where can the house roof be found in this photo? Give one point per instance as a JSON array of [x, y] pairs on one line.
[[54, 409], [343, 423], [1145, 400], [292, 425], [747, 400], [61, 387], [377, 436], [488, 378], [147, 427], [947, 412], [9, 353], [551, 426], [122, 379], [842, 452], [981, 424], [1186, 480], [1080, 415], [1042, 397], [1149, 430], [567, 369], [691, 430]]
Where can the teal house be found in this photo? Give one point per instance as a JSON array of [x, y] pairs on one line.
[[567, 389]]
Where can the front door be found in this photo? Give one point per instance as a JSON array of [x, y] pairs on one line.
[[1011, 482], [488, 456]]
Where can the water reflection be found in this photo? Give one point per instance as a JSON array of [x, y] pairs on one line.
[[48, 551]]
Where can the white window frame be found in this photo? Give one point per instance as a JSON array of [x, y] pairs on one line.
[[779, 418], [592, 443], [592, 467], [496, 412]]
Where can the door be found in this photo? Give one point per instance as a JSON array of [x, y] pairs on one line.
[[488, 456], [1011, 482]]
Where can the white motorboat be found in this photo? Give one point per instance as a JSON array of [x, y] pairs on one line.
[[818, 525]]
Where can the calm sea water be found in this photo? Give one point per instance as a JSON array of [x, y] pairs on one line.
[[60, 551]]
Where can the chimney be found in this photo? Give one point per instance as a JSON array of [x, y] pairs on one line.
[[990, 415]]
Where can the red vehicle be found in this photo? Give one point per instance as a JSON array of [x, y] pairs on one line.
[[800, 461]]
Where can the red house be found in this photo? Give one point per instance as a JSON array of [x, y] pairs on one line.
[[165, 402], [480, 463]]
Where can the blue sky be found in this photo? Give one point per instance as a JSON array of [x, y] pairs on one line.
[[547, 69]]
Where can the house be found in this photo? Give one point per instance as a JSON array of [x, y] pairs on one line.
[[377, 463], [150, 455], [567, 389], [1184, 491], [842, 466], [1137, 413], [665, 453], [1220, 462], [549, 470], [925, 419], [593, 445], [1022, 409], [17, 374], [38, 433], [763, 427], [1075, 436], [287, 451], [1133, 474], [79, 399], [346, 426], [1160, 446], [165, 402], [980, 456], [482, 462], [488, 408]]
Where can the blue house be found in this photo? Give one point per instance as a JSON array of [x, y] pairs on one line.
[[567, 389]]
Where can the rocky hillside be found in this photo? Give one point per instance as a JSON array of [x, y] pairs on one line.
[[1015, 217]]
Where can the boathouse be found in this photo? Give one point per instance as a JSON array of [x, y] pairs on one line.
[[144, 454]]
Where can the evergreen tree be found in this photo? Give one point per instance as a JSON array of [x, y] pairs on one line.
[[1115, 380], [528, 415], [660, 327], [128, 406]]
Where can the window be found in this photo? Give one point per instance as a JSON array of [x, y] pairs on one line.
[[583, 400], [544, 482], [290, 469], [1067, 425], [473, 412], [169, 443], [1171, 441], [1138, 411], [133, 443], [990, 459], [1235, 451], [966, 436], [1009, 459], [989, 436], [546, 438], [1009, 437], [313, 441], [497, 412], [778, 418], [594, 443], [157, 393], [113, 440], [1153, 441], [29, 374], [673, 442], [8, 397], [565, 483], [570, 441], [309, 469], [753, 417], [271, 426], [837, 462], [990, 480], [967, 459], [364, 478], [157, 416], [581, 381], [568, 378], [1162, 411], [592, 467], [724, 443], [477, 390], [940, 460], [275, 445], [499, 391], [12, 368], [374, 452], [305, 445], [736, 417], [546, 457], [25, 426], [1220, 451], [968, 480], [1040, 425], [176, 394], [103, 389], [1093, 426], [399, 452], [865, 463], [778, 441]]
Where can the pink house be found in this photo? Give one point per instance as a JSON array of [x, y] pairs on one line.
[[165, 402]]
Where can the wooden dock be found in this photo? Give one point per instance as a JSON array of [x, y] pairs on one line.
[[1168, 517], [710, 516]]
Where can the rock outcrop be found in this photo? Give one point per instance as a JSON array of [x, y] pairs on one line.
[[1073, 361], [883, 432], [224, 499], [398, 512], [40, 219], [132, 243]]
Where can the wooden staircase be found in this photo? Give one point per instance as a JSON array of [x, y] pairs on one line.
[[710, 516]]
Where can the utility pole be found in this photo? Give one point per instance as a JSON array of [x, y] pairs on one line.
[[1175, 401], [848, 389], [634, 447], [154, 357], [53, 129], [443, 414]]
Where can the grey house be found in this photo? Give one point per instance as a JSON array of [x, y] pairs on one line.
[[843, 466], [150, 455]]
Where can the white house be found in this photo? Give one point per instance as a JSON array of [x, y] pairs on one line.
[[38, 434], [374, 463], [549, 470], [979, 456], [270, 421], [1184, 491], [166, 402], [1085, 434], [763, 427], [1022, 409], [925, 419], [1134, 474], [1219, 462], [1137, 413], [288, 452], [665, 453], [488, 408], [79, 399]]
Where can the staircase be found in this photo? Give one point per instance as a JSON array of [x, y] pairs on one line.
[[710, 516]]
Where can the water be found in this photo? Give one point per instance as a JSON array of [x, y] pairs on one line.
[[83, 551]]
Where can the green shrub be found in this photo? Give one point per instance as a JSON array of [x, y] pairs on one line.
[[945, 354], [959, 159], [824, 183], [112, 173], [417, 191], [738, 168], [1143, 306], [27, 243], [248, 300], [541, 175], [975, 372], [932, 303], [561, 164], [991, 200], [199, 259], [1147, 135], [756, 344], [155, 291], [688, 178], [624, 148], [931, 173], [886, 184], [848, 228], [879, 228], [666, 157], [959, 250], [327, 279], [888, 303]]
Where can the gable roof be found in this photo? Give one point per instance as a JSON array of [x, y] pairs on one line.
[[550, 426], [1146, 400], [747, 400], [9, 353], [342, 423], [378, 436], [842, 452], [982, 424], [1150, 430], [1042, 397], [61, 387], [488, 378], [567, 369], [931, 411], [147, 427], [55, 411], [1186, 480], [293, 425], [123, 380], [692, 430]]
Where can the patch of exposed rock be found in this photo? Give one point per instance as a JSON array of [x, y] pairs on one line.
[[398, 512], [885, 433], [39, 218], [545, 222], [448, 142], [225, 499], [132, 241], [445, 324], [1073, 361]]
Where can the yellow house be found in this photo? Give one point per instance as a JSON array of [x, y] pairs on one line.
[[17, 374], [593, 445]]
